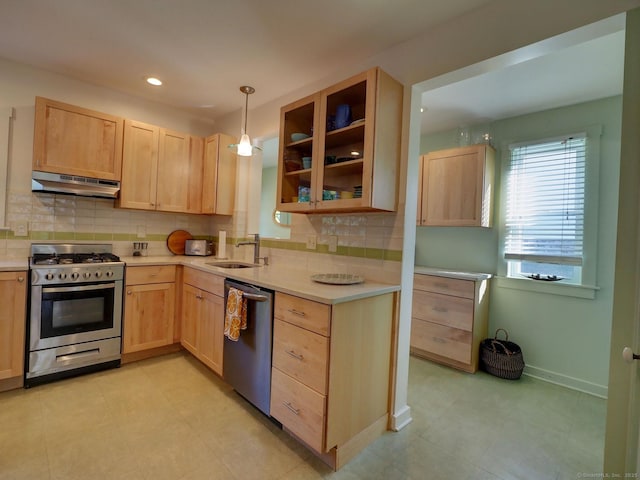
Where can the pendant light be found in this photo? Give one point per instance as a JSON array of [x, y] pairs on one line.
[[244, 148]]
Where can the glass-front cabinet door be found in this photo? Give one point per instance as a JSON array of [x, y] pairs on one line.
[[340, 148]]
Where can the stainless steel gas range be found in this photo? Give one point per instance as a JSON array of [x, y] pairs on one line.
[[75, 314]]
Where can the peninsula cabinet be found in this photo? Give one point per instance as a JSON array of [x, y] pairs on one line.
[[161, 169], [219, 175], [13, 298], [449, 320], [203, 317], [456, 187], [149, 307], [354, 158], [330, 372], [76, 141]]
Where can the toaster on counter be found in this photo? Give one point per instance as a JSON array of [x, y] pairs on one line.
[[201, 248]]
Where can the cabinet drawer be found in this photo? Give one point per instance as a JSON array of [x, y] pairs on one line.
[[307, 314], [204, 281], [298, 408], [151, 274], [444, 341], [443, 309], [444, 285], [301, 354]]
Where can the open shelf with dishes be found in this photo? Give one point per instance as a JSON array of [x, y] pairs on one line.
[[331, 158]]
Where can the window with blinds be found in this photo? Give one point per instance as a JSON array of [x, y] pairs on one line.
[[544, 223]]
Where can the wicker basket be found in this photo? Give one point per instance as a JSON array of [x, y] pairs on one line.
[[501, 358]]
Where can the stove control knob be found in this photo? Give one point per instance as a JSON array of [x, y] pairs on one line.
[[86, 274], [75, 275], [98, 274], [109, 274], [62, 276], [49, 276]]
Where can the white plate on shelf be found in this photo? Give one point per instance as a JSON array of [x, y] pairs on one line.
[[337, 278]]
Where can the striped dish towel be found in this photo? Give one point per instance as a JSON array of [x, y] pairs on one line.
[[235, 318]]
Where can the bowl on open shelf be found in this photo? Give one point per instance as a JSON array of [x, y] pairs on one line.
[[296, 137]]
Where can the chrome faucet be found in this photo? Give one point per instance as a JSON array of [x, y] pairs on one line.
[[256, 249]]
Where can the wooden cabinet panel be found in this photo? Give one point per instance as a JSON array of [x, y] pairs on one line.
[[304, 313], [173, 172], [444, 341], [444, 310], [150, 274], [301, 354], [354, 166], [76, 141], [13, 298], [449, 319], [149, 316], [203, 317], [299, 408], [204, 281], [139, 166], [444, 285], [219, 175], [457, 187]]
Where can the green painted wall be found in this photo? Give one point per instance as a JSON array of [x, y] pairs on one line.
[[268, 228], [564, 339]]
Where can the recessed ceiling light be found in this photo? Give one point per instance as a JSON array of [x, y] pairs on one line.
[[154, 81]]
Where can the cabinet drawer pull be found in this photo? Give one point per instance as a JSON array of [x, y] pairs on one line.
[[297, 312], [441, 285], [440, 309], [296, 411], [295, 355], [439, 340]]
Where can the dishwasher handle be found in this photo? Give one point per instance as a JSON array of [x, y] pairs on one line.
[[254, 296]]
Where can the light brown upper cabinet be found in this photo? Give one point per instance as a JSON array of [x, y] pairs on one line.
[[76, 141], [456, 187], [219, 175], [161, 169], [354, 158]]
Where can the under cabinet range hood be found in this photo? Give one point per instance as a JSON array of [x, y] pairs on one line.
[[73, 185]]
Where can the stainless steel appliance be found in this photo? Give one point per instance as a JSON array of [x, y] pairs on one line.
[[73, 185], [247, 362], [198, 247], [75, 310]]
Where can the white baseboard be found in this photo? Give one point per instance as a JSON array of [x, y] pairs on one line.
[[401, 418], [566, 381]]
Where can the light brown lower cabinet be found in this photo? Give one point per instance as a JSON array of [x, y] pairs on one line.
[[13, 298], [149, 307], [449, 320], [203, 317], [330, 375]]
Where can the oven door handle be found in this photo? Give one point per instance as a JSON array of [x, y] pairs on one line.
[[78, 288]]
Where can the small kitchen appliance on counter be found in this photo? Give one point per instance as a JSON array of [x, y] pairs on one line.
[[203, 248], [75, 311]]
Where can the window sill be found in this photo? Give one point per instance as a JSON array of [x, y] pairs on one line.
[[551, 288]]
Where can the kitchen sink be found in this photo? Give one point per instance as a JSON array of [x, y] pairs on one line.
[[233, 264]]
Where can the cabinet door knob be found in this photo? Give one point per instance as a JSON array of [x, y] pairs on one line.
[[20, 279], [129, 292]]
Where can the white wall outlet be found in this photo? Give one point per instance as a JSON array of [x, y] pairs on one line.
[[142, 231], [333, 243], [21, 229], [311, 242]]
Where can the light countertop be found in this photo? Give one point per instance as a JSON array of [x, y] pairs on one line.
[[449, 273], [14, 264], [282, 279]]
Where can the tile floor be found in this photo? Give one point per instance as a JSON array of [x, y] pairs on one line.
[[170, 418]]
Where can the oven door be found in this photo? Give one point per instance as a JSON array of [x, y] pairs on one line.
[[69, 314]]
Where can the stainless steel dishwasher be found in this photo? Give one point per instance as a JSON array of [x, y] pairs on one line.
[[247, 363]]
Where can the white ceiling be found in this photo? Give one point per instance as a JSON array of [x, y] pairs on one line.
[[587, 71], [204, 50]]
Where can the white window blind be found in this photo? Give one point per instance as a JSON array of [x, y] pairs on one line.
[[545, 201]]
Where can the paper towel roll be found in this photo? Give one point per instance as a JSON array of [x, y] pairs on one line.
[[222, 244]]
